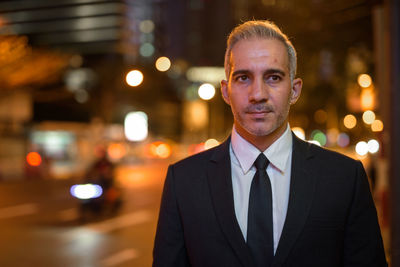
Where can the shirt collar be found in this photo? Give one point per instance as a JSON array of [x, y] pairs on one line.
[[277, 153]]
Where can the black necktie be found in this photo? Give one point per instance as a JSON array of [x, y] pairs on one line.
[[260, 238]]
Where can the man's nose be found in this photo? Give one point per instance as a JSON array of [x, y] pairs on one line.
[[258, 91]]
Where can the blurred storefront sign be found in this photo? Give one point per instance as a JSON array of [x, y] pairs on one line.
[[211, 75], [15, 109], [58, 151]]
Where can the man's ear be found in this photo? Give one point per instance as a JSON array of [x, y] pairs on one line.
[[296, 90], [224, 91]]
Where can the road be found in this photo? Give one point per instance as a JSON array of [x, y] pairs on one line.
[[39, 223]]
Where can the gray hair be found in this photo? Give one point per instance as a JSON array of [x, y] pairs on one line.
[[260, 29]]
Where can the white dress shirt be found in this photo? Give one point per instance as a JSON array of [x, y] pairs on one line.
[[243, 154]]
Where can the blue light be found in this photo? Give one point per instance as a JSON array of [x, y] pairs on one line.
[[86, 191]]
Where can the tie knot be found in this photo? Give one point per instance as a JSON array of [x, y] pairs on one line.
[[261, 162]]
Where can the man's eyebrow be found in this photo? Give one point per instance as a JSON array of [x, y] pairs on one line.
[[237, 72], [268, 71], [275, 71]]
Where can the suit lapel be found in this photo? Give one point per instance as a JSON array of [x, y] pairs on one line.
[[302, 187], [220, 181]]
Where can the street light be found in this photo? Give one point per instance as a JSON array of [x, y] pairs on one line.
[[377, 126], [163, 64], [136, 126], [206, 91], [373, 146], [134, 78], [364, 80], [362, 148], [350, 121], [368, 117]]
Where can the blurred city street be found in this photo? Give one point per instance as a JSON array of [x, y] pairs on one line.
[[39, 222], [108, 91]]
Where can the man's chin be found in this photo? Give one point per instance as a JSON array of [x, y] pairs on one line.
[[259, 132]]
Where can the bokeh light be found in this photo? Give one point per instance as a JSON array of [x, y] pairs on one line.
[[362, 148], [343, 140], [153, 148], [319, 136], [377, 126], [332, 135], [34, 159], [163, 150], [86, 191], [81, 96], [206, 91], [364, 80], [136, 126], [368, 117], [116, 151], [373, 146], [160, 149], [299, 132], [210, 143], [134, 78], [163, 64], [350, 121], [146, 50], [367, 99], [146, 26]]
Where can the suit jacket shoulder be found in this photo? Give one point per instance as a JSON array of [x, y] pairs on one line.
[[324, 161], [197, 164], [196, 160]]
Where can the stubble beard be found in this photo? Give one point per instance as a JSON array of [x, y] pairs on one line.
[[267, 125], [265, 128]]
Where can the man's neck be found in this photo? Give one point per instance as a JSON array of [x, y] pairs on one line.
[[265, 141]]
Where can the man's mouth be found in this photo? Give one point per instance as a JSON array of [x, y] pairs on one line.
[[259, 109], [262, 110], [258, 114]]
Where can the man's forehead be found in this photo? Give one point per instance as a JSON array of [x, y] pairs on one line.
[[259, 49], [267, 44]]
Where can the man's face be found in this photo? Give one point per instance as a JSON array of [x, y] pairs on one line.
[[259, 89]]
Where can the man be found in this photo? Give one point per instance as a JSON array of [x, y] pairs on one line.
[[264, 197]]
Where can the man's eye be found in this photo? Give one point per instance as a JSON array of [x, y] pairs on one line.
[[274, 78], [242, 78]]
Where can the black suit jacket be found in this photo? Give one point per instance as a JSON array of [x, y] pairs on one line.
[[331, 218]]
